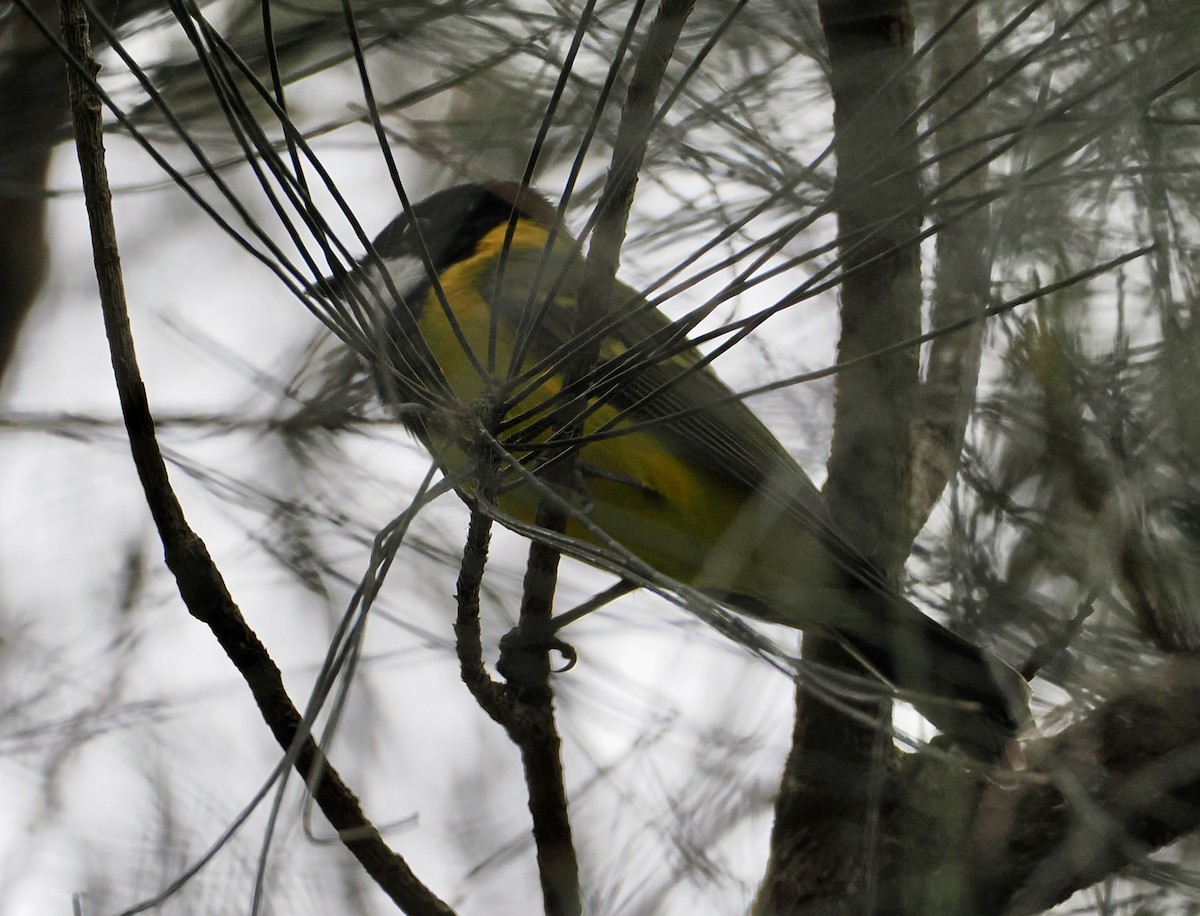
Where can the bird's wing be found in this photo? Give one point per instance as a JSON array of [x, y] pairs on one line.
[[653, 376]]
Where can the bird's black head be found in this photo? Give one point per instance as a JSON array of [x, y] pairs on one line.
[[452, 222]]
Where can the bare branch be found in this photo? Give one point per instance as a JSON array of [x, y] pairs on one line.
[[200, 583]]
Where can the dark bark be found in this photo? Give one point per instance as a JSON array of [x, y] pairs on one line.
[[824, 846], [199, 581]]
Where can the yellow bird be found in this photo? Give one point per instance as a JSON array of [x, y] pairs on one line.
[[670, 465]]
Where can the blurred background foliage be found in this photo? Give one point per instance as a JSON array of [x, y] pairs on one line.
[[1053, 135]]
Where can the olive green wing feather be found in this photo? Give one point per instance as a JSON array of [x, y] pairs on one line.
[[649, 372], [658, 381]]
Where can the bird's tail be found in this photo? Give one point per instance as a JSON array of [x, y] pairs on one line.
[[970, 695]]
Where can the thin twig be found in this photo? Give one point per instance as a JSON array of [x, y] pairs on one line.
[[200, 583], [490, 695], [540, 744]]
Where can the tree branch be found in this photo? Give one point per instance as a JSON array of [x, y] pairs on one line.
[[961, 288], [525, 663], [824, 841], [200, 583], [1097, 797]]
